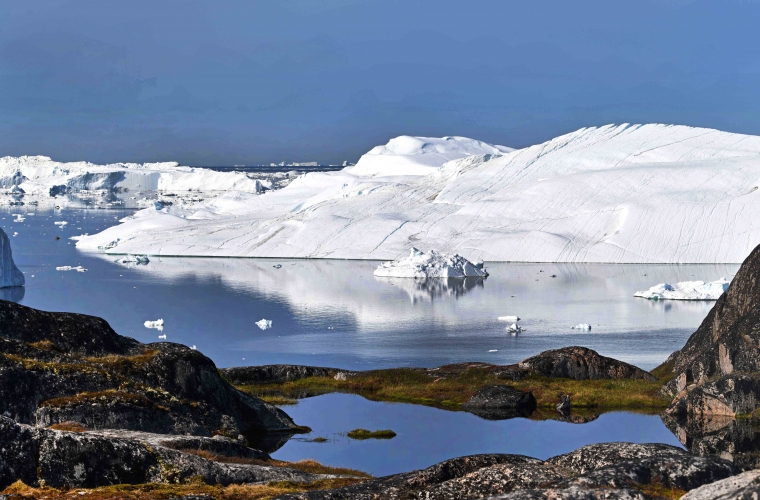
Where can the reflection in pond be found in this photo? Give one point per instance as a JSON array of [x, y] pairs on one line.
[[733, 439], [433, 288]]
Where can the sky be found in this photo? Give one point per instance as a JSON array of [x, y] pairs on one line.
[[252, 81]]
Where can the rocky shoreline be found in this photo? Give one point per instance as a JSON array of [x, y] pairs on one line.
[[84, 407]]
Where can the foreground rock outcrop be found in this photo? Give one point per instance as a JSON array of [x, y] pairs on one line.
[[60, 368], [581, 363], [609, 470]]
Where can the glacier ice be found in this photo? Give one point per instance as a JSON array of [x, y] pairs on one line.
[[430, 265], [686, 290], [264, 324], [618, 194], [10, 275]]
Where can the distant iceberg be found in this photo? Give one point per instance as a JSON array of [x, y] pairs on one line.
[[430, 265], [158, 324], [10, 275], [264, 324], [686, 290]]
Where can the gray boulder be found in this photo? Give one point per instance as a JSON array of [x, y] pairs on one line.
[[9, 273], [245, 375], [499, 402], [580, 363], [745, 486]]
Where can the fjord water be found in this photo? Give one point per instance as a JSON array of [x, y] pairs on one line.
[[336, 313]]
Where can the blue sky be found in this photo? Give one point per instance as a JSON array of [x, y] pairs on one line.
[[251, 82]]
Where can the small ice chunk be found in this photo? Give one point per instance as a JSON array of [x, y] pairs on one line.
[[15, 234], [78, 269], [264, 324], [277, 266], [582, 326], [133, 259], [163, 337], [60, 223], [158, 324], [512, 319], [514, 328], [194, 348], [493, 350]]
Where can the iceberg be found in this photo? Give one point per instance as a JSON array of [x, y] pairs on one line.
[[512, 319], [430, 265], [615, 194], [10, 275], [582, 326], [133, 259], [264, 324], [686, 290], [78, 269]]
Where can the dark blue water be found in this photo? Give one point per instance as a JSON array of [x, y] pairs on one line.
[[426, 436]]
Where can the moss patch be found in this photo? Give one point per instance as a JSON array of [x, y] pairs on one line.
[[68, 426], [451, 391], [361, 434], [102, 397]]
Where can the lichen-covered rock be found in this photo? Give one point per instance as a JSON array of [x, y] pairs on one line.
[[727, 340], [498, 402], [597, 456], [580, 363], [745, 486], [573, 493], [9, 273], [71, 459], [245, 375]]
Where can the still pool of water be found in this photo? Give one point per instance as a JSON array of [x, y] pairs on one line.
[[336, 313], [426, 436]]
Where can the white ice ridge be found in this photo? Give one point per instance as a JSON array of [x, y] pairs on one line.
[[264, 324], [40, 175], [618, 194], [158, 324], [686, 290], [430, 265]]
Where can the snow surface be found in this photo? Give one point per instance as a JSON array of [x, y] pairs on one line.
[[10, 275], [429, 265], [618, 194], [40, 175], [686, 290], [406, 155]]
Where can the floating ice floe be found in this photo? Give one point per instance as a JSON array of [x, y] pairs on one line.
[[512, 319], [514, 329], [277, 266], [158, 324], [582, 326], [162, 337], [430, 265], [493, 350], [686, 290], [78, 269], [60, 223], [264, 324]]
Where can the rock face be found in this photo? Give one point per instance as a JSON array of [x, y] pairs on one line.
[[498, 402], [745, 486], [580, 363], [60, 367], [728, 396], [9, 273], [71, 459], [274, 373], [728, 340], [610, 470]]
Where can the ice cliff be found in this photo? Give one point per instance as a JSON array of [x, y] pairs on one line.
[[9, 273], [618, 193]]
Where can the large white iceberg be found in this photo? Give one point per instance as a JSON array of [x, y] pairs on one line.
[[430, 265], [620, 194], [40, 175], [686, 290], [9, 273]]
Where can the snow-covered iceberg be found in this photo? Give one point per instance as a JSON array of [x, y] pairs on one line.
[[619, 194], [686, 290], [9, 273], [40, 175], [406, 155], [430, 265]]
